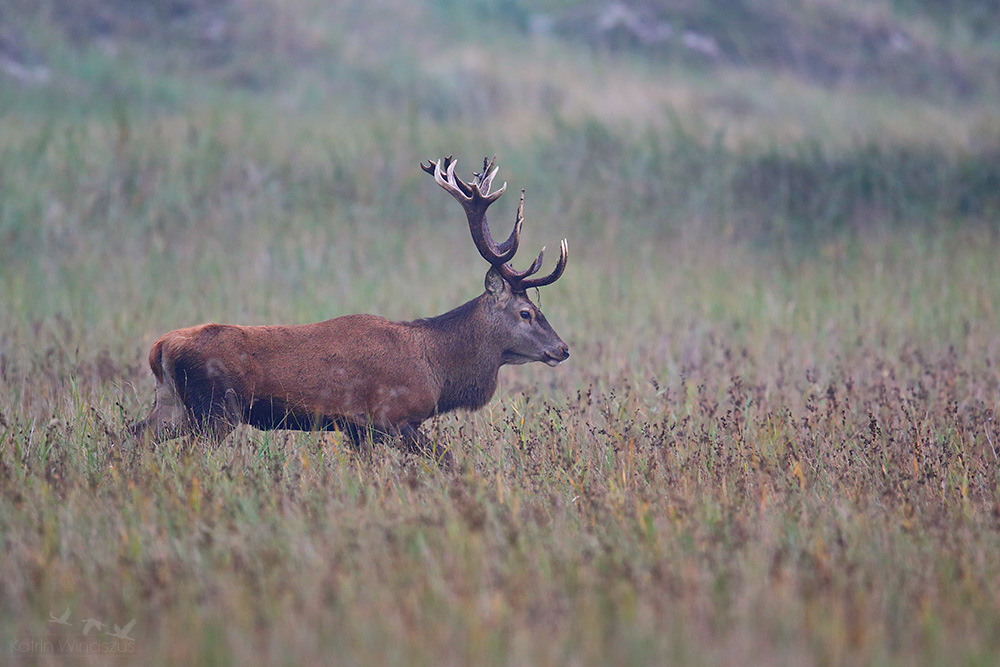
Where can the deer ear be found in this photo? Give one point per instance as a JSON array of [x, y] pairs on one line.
[[496, 286]]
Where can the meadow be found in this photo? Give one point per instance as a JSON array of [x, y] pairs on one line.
[[775, 439]]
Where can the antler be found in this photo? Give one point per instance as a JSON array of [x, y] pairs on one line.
[[475, 198]]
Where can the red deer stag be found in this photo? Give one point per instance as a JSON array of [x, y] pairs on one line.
[[361, 374]]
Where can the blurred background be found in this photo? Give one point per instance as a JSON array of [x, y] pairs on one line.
[[170, 161]]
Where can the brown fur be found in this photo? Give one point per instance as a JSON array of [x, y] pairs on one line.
[[361, 374]]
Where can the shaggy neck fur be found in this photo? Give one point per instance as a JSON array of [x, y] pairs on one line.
[[459, 347]]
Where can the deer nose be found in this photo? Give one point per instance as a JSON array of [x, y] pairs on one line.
[[556, 355]]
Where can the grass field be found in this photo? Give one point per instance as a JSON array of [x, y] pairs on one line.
[[774, 442]]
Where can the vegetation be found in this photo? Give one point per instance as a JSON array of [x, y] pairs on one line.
[[774, 441]]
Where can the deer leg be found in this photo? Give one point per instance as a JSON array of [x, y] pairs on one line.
[[223, 417], [359, 438], [415, 441], [154, 430], [213, 410], [216, 429], [168, 419]]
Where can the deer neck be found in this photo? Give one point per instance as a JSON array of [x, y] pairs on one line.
[[460, 350]]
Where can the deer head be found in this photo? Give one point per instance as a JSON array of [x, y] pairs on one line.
[[529, 335]]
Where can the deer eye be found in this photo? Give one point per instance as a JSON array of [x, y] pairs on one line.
[[526, 315]]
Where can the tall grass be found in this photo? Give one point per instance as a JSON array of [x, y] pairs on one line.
[[797, 467]]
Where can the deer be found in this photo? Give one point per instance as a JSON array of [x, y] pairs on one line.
[[369, 378]]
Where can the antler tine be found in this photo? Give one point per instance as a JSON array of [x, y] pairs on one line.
[[556, 272], [475, 199], [432, 164], [511, 244], [487, 180], [490, 170], [444, 176], [516, 278]]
